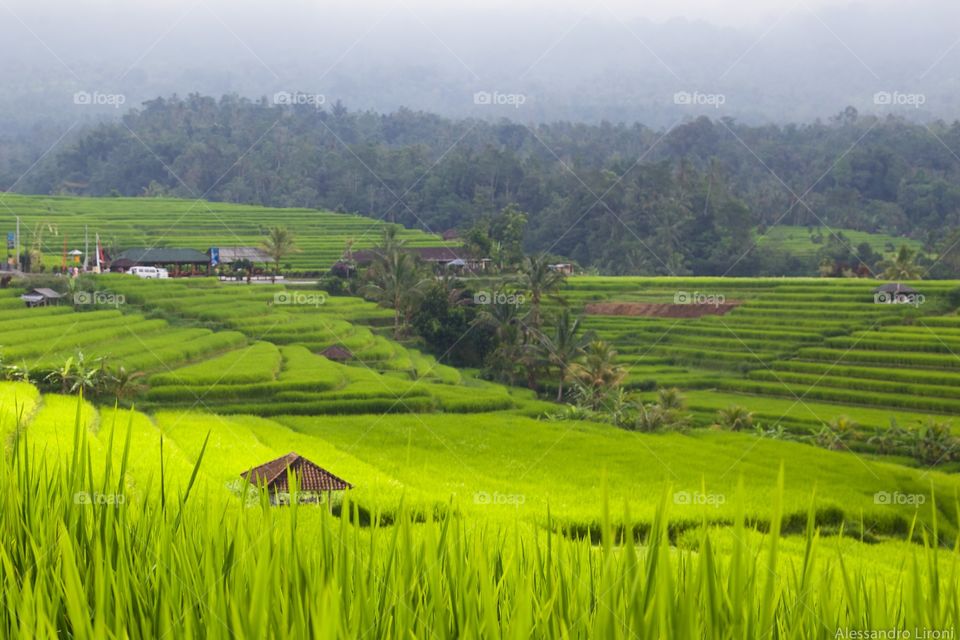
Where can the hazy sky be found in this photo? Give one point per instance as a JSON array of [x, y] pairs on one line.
[[725, 12], [775, 60]]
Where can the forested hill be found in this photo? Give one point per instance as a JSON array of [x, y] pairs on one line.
[[623, 198]]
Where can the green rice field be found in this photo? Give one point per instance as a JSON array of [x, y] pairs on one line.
[[799, 242], [474, 511], [125, 223], [824, 346]]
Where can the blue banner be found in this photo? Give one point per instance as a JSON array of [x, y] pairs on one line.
[[214, 256]]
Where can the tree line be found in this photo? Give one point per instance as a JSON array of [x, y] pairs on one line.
[[623, 199]]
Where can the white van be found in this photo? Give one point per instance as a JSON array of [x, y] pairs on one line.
[[145, 272], [163, 274]]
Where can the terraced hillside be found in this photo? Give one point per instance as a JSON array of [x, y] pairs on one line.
[[808, 341], [799, 241], [435, 455], [147, 222], [505, 467], [260, 350], [40, 340]]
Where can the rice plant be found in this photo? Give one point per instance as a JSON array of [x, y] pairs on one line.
[[84, 558]]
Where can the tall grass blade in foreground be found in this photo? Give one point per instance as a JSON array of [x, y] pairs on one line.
[[211, 567]]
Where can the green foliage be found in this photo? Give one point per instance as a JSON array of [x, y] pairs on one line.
[[903, 266], [596, 375], [712, 586], [692, 205], [444, 319], [734, 418], [395, 280], [279, 244]]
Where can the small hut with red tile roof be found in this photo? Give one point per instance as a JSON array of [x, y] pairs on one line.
[[312, 480]]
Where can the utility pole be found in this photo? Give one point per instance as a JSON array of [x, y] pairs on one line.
[[17, 242], [86, 247]]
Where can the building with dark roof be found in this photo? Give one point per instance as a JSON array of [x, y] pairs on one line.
[[896, 293], [229, 255], [41, 297], [311, 479], [182, 260], [459, 257]]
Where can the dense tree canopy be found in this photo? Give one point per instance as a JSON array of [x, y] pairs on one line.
[[621, 198]]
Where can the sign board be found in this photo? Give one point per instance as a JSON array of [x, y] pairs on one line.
[[11, 240], [214, 256]]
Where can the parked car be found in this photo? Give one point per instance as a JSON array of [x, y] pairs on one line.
[[147, 272], [162, 273]]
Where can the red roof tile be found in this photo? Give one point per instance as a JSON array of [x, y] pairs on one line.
[[274, 475]]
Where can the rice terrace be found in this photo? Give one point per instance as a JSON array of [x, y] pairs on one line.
[[756, 462], [484, 320]]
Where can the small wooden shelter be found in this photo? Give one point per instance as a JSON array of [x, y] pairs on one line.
[[312, 480], [895, 293], [41, 297]]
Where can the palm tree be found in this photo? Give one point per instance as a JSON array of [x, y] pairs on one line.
[[934, 443], [61, 375], [507, 321], [538, 280], [903, 266], [123, 384], [734, 418], [671, 400], [390, 241], [597, 374], [278, 244], [395, 280], [564, 345], [891, 439]]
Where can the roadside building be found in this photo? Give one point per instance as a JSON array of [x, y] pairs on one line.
[[179, 262]]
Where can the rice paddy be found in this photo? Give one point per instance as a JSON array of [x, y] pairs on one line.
[[825, 346], [472, 514], [124, 223]]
